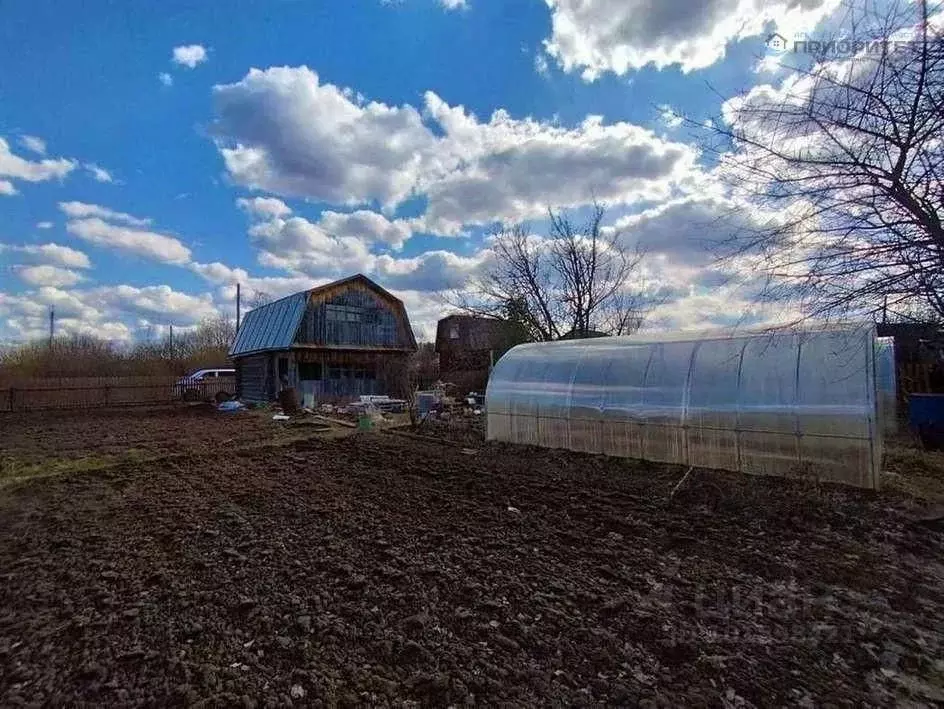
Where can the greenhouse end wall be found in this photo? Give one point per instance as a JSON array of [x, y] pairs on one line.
[[797, 403]]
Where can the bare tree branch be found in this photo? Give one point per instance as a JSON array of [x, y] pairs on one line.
[[849, 153], [577, 280]]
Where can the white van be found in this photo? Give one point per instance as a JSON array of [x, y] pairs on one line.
[[211, 383]]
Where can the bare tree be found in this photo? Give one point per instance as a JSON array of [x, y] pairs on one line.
[[212, 334], [576, 280], [846, 159], [258, 298], [423, 365]]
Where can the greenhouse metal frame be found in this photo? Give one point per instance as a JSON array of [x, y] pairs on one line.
[[773, 403]]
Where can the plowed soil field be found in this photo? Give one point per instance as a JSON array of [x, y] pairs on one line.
[[377, 570], [37, 436]]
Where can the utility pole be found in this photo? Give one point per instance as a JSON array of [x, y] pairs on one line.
[[52, 324], [171, 342], [238, 298]]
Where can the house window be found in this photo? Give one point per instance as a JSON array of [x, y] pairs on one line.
[[308, 371], [453, 332], [343, 313], [352, 373]]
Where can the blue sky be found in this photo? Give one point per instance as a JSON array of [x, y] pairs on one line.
[[156, 153]]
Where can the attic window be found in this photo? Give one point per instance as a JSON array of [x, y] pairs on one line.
[[343, 313], [453, 332]]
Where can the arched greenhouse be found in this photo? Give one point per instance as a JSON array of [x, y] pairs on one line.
[[771, 403]]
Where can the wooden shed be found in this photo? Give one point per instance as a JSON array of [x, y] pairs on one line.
[[331, 343], [468, 345]]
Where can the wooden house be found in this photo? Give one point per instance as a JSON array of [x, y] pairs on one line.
[[919, 356], [468, 345], [335, 342]]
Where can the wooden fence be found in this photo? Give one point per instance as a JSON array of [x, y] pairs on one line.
[[97, 392]]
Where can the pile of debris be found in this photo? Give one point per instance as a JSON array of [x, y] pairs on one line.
[[382, 403], [369, 411], [437, 403]]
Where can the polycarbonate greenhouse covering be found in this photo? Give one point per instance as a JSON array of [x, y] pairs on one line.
[[782, 403]]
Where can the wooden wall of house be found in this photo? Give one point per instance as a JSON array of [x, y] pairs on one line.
[[344, 376], [465, 342], [328, 375], [353, 316], [252, 377]]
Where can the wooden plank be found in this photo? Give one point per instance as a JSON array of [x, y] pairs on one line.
[[339, 422]]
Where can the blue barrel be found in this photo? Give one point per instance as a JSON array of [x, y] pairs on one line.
[[926, 416], [425, 402]]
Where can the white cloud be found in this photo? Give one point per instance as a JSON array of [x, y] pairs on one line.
[[284, 131], [63, 256], [670, 117], [100, 174], [424, 312], [302, 247], [33, 144], [52, 254], [19, 329], [219, 273], [160, 301], [364, 224], [165, 79], [21, 169], [227, 277], [113, 312], [770, 64], [24, 317], [430, 272], [338, 245], [189, 55], [299, 245], [540, 65], [7, 188], [82, 210], [44, 225], [597, 36], [46, 275], [118, 312], [264, 207], [511, 169], [148, 244], [722, 307], [684, 239]]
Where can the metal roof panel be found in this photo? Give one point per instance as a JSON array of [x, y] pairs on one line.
[[271, 326]]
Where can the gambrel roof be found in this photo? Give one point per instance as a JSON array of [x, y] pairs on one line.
[[273, 326]]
